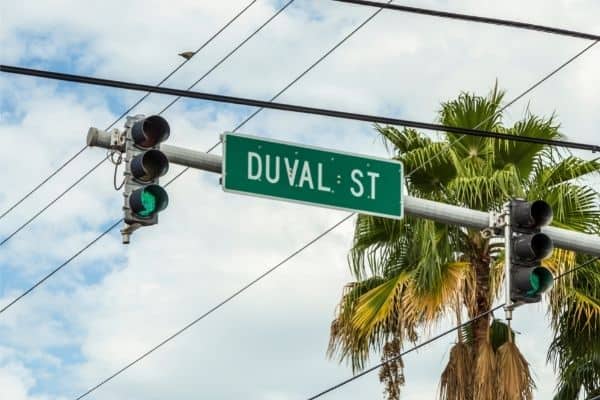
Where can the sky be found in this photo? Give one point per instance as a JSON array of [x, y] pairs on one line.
[[114, 302]]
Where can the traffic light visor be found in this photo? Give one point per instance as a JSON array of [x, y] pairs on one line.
[[537, 246], [530, 214], [541, 213], [150, 131], [147, 201], [541, 280], [149, 165]]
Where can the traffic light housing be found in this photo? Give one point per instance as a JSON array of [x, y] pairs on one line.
[[528, 247], [144, 198]]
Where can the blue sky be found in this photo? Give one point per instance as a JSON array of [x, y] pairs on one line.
[[114, 302]]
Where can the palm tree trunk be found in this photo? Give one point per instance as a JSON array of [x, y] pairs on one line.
[[481, 263], [483, 355]]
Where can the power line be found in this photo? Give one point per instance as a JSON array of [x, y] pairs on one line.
[[294, 108], [43, 182], [367, 371], [295, 80], [141, 99], [313, 65], [510, 103], [37, 214], [61, 266], [209, 150], [300, 76], [318, 237], [585, 264], [513, 101], [425, 343], [269, 271], [223, 59], [475, 18], [272, 269], [214, 308], [333, 227]]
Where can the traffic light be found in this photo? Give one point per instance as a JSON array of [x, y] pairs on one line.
[[528, 247], [144, 198]]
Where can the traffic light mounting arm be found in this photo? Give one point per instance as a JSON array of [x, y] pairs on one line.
[[414, 206]]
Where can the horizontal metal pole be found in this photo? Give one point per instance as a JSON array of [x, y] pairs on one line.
[[192, 158], [176, 155], [439, 212], [455, 215]]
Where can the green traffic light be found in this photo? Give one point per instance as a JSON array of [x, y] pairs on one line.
[[541, 280], [147, 201], [149, 204]]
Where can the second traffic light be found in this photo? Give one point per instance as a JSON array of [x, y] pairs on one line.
[[144, 198], [528, 247]]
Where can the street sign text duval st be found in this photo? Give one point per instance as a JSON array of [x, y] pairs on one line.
[[274, 169]]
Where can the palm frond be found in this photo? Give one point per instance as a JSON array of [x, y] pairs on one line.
[[455, 382], [485, 192], [524, 155], [344, 342], [575, 318], [568, 169], [428, 167], [484, 373], [409, 272], [575, 207], [379, 304], [580, 374], [513, 376], [379, 243], [404, 140]]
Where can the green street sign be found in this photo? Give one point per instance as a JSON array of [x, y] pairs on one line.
[[294, 172]]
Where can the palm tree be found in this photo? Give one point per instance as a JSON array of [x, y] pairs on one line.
[[410, 274]]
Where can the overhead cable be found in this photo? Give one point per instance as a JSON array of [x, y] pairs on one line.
[[183, 171], [294, 108], [530, 89], [214, 308], [433, 339], [475, 18], [125, 113], [513, 101], [295, 80], [223, 59]]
